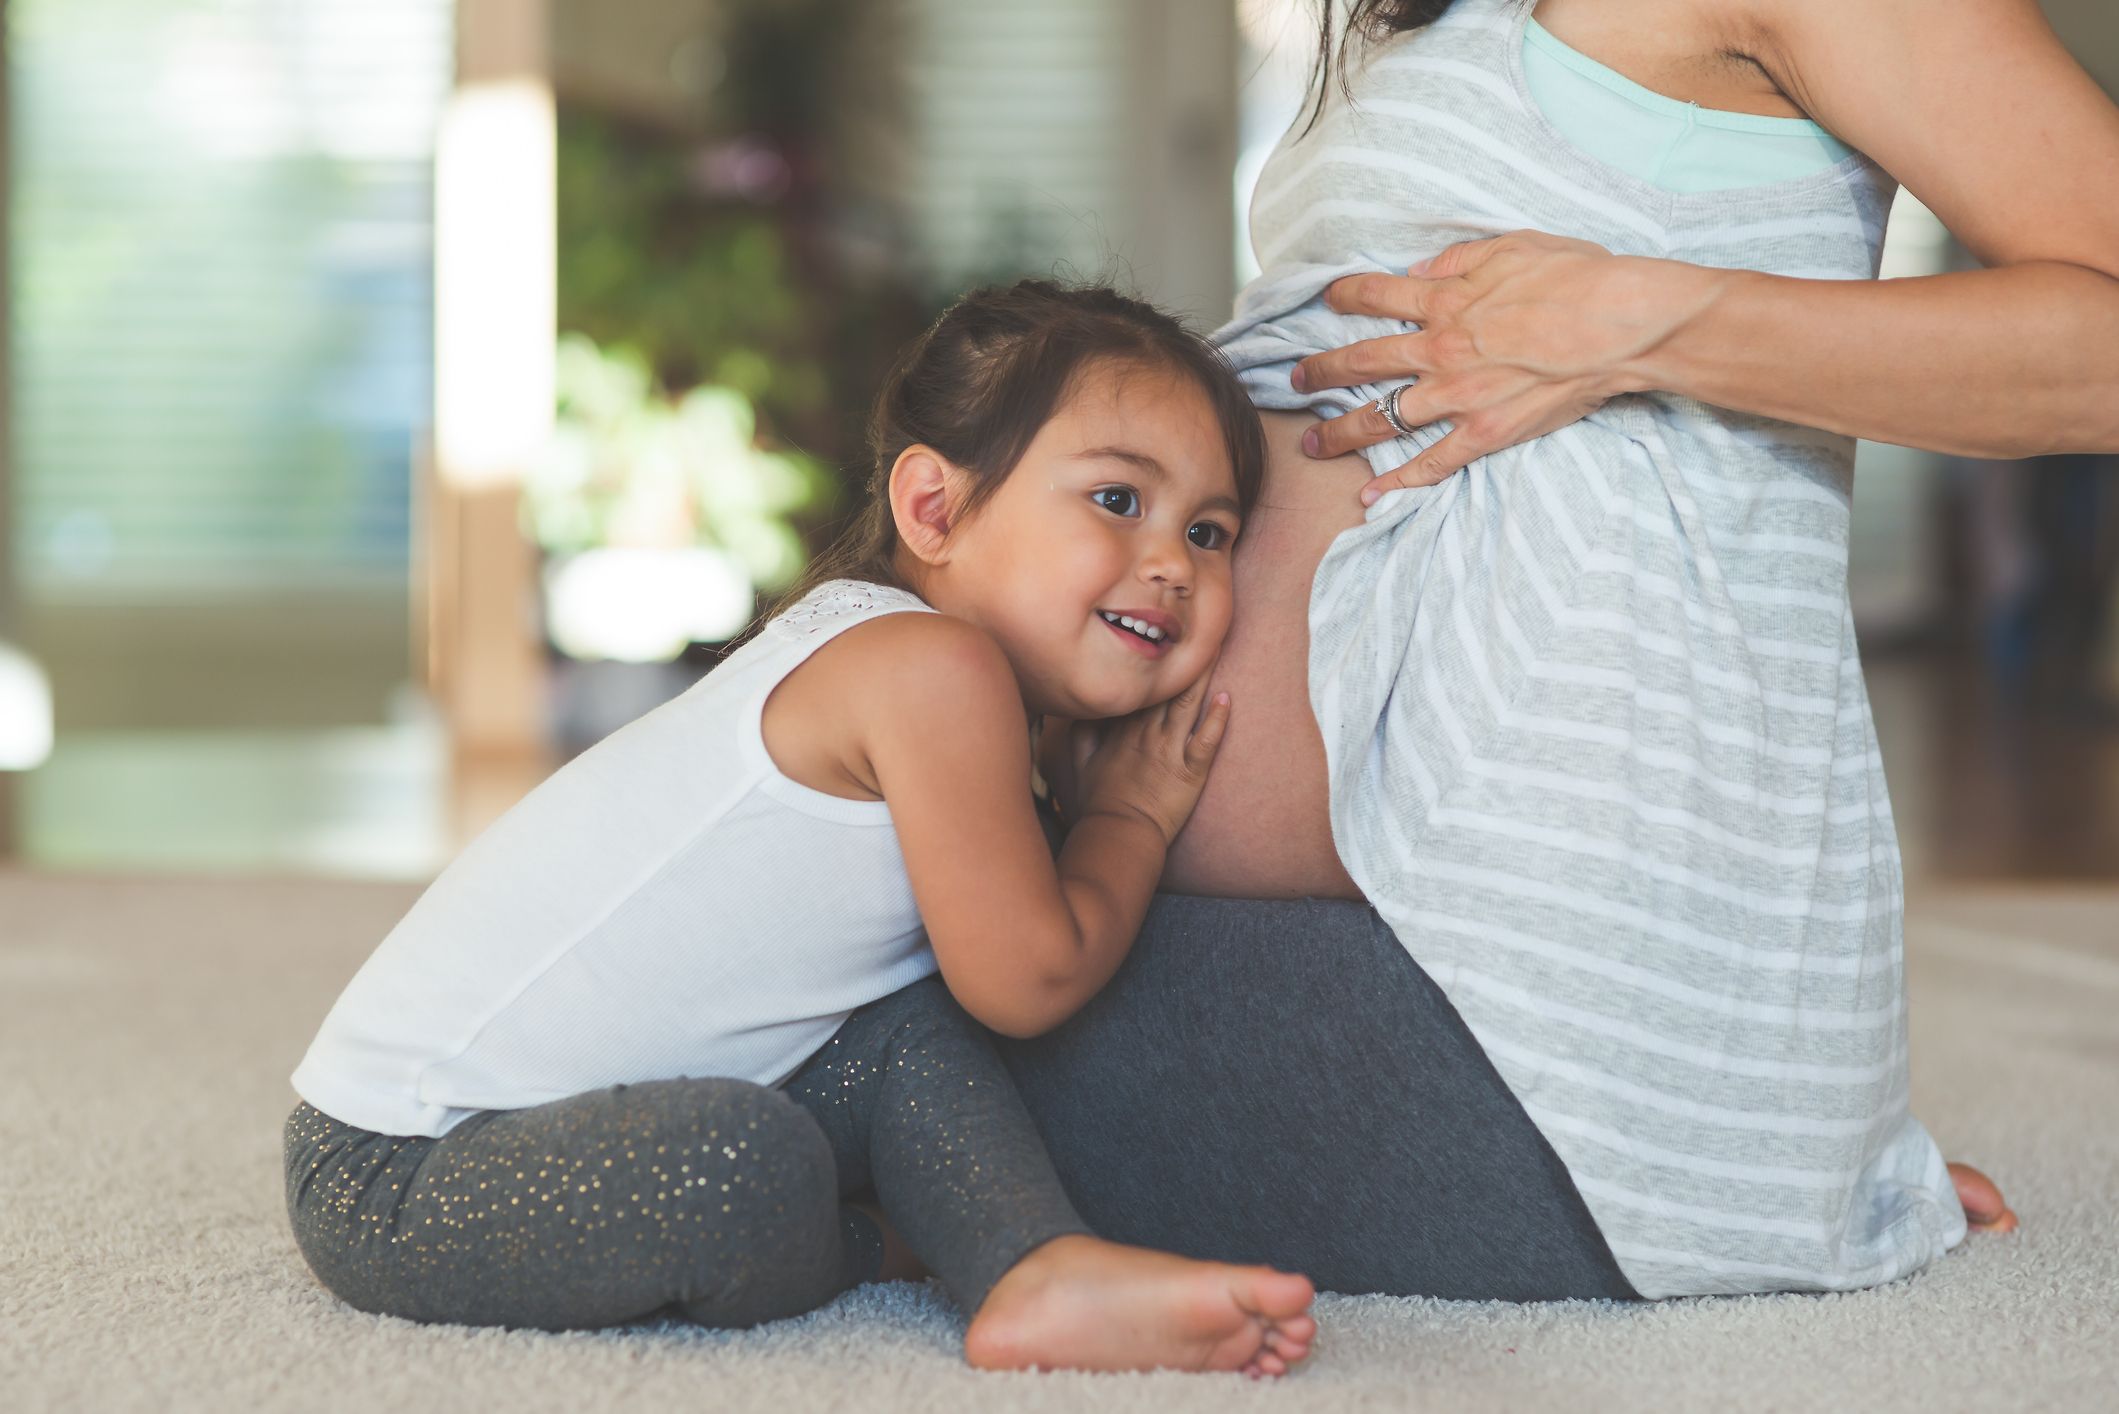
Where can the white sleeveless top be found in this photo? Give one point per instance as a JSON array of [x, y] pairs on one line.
[[666, 904], [1599, 745]]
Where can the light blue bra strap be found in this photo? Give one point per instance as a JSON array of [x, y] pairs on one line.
[[1678, 146]]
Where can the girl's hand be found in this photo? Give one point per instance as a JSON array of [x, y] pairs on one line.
[[1519, 335], [1154, 763]]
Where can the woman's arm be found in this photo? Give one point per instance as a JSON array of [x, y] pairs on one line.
[[1023, 941], [1974, 106], [1977, 109], [2012, 362]]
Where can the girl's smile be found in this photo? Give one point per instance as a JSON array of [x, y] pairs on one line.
[[1144, 630]]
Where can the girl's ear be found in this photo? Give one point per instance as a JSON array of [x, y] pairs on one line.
[[923, 501]]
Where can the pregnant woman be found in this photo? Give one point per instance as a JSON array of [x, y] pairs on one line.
[[1539, 932]]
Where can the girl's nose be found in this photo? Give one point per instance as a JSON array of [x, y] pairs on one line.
[[1167, 563]]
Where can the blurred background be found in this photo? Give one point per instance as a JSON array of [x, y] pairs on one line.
[[398, 395]]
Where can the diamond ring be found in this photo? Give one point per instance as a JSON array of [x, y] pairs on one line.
[[1388, 406]]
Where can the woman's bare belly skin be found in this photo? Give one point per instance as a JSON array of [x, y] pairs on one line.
[[1262, 828]]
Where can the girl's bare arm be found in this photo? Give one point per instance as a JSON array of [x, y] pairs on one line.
[[1023, 941]]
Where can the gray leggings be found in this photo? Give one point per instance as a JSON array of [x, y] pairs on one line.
[[716, 1199], [1277, 1081], [1264, 1081]]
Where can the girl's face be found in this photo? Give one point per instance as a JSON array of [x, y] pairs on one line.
[[1124, 505]]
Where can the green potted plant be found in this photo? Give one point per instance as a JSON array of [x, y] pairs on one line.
[[660, 517]]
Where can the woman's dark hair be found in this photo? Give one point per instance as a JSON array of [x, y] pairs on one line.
[[991, 372], [1368, 20]]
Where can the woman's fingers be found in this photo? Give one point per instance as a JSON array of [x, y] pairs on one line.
[[1521, 334], [1426, 284], [1461, 258], [1392, 358], [1366, 425], [1411, 297], [1446, 458]]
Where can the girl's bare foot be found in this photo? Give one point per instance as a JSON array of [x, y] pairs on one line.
[[1080, 1303], [1984, 1209]]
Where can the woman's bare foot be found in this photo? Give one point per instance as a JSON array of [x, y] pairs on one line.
[[1080, 1303], [1984, 1209]]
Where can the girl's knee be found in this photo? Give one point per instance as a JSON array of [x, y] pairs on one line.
[[714, 1115], [725, 1149], [751, 1177]]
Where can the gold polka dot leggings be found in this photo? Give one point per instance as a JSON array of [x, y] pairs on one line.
[[716, 1199]]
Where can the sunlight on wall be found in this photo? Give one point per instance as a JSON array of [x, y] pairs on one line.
[[1278, 44], [25, 712], [495, 281], [1892, 569]]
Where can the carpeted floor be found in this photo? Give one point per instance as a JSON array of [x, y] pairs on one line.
[[147, 1029]]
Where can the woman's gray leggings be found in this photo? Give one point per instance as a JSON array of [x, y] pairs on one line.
[[1278, 1081], [718, 1198]]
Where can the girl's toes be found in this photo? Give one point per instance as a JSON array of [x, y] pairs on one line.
[[1301, 1328], [1278, 1296]]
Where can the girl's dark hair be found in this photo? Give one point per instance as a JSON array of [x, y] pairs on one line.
[[1367, 20], [981, 383]]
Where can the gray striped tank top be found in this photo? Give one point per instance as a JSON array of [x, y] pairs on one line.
[[1599, 745]]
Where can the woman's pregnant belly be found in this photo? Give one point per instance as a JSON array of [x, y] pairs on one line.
[[1262, 827]]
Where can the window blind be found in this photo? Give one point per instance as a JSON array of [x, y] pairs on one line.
[[221, 263], [1020, 117]]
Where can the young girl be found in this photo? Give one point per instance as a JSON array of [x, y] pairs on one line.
[[637, 1045]]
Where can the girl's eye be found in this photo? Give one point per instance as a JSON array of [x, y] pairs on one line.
[[1214, 536], [1125, 496]]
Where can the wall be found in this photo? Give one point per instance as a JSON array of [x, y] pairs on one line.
[[2090, 29]]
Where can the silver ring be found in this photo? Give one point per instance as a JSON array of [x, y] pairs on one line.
[[1388, 406]]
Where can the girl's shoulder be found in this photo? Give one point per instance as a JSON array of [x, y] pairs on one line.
[[893, 651], [840, 599], [913, 657], [895, 689], [886, 634]]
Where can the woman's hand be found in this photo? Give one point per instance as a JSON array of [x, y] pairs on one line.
[[1519, 335], [1154, 763]]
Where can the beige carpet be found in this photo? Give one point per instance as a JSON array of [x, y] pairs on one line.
[[147, 1029]]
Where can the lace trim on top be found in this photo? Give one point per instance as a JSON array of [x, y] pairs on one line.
[[837, 599]]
